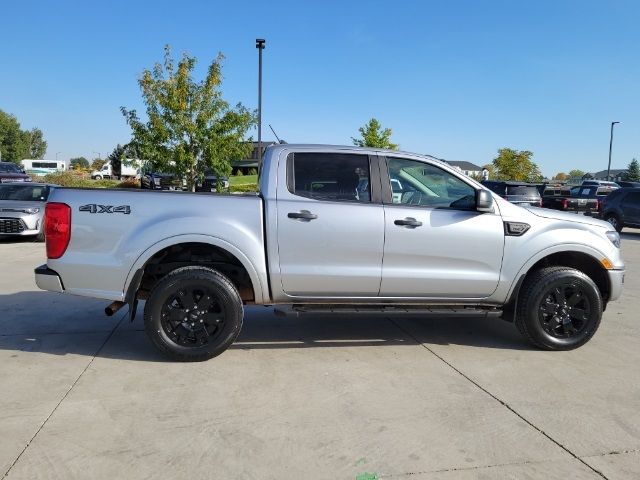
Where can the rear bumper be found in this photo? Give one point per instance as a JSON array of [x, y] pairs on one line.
[[616, 280], [47, 279]]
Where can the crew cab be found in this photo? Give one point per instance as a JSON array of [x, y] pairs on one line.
[[337, 229]]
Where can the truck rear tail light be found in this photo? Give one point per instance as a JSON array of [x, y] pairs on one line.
[[57, 228], [565, 204], [599, 205]]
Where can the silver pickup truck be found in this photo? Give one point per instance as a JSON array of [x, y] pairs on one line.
[[332, 228]]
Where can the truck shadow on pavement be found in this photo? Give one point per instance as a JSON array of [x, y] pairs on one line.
[[45, 322]]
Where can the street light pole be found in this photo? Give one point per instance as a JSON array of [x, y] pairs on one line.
[[57, 153], [99, 156], [260, 43], [610, 147]]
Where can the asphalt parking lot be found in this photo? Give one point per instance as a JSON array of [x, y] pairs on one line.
[[317, 397]]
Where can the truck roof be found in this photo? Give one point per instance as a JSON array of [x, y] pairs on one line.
[[286, 146]]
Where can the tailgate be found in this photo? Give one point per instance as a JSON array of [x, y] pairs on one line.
[[583, 204]]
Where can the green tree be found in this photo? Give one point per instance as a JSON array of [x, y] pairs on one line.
[[633, 172], [561, 176], [79, 163], [37, 143], [97, 163], [190, 128], [14, 145], [373, 135], [576, 173], [513, 164]]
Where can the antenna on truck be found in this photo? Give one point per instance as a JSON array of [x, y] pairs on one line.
[[276, 135]]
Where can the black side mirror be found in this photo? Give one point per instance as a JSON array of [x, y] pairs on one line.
[[484, 201]]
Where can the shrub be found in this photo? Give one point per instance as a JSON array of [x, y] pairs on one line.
[[251, 187], [129, 183], [253, 171], [72, 179]]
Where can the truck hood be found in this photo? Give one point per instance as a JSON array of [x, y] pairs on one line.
[[569, 217]]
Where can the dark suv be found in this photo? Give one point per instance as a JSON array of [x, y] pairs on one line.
[[621, 208], [10, 172], [520, 193]]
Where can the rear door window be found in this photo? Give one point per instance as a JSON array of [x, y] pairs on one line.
[[330, 176]]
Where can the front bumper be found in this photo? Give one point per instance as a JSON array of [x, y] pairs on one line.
[[47, 279], [616, 281], [19, 224]]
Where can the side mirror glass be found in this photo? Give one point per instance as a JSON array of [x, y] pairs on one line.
[[484, 201]]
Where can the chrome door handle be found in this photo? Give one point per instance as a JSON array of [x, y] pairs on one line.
[[408, 222], [302, 215]]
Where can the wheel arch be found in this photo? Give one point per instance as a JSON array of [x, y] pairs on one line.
[[582, 258], [220, 251]]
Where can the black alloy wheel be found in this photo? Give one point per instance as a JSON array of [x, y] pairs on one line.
[[558, 308], [193, 314]]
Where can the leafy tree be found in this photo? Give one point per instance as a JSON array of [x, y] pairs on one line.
[[79, 163], [633, 172], [13, 141], [37, 143], [513, 164], [576, 173], [190, 128], [97, 163], [561, 176], [116, 158], [374, 136]]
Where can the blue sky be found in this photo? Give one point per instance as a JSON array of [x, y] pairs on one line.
[[456, 79]]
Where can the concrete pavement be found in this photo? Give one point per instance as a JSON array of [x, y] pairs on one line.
[[326, 397]]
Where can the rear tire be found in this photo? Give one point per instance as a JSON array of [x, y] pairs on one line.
[[559, 308], [615, 222], [193, 314]]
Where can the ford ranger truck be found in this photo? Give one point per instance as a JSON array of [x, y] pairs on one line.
[[327, 231]]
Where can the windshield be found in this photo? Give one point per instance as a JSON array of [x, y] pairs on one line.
[[30, 193], [9, 168]]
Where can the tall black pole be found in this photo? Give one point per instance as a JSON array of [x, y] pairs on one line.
[[610, 146], [260, 42]]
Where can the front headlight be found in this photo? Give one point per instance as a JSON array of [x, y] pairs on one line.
[[614, 237], [31, 210], [156, 181]]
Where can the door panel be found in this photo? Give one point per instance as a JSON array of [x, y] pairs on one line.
[[330, 230], [452, 254]]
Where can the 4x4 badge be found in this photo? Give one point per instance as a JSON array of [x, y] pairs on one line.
[[94, 208]]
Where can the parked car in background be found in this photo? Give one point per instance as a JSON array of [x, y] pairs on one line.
[[625, 183], [561, 198], [10, 172], [210, 182], [592, 191], [622, 208], [520, 193], [160, 181], [601, 183], [22, 208]]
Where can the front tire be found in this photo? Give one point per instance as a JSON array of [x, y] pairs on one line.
[[559, 308], [193, 314], [615, 222], [98, 177]]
